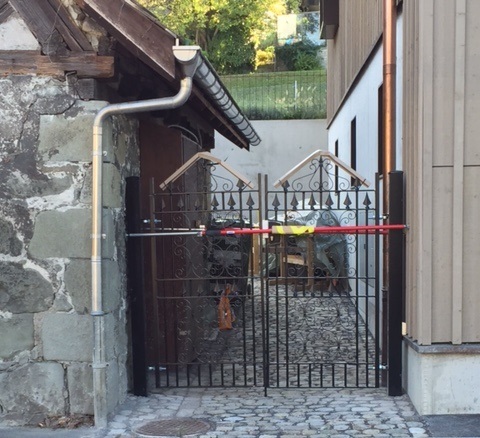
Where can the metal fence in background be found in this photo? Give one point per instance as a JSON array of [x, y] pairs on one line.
[[280, 95]]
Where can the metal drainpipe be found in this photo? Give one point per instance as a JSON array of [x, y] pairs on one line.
[[188, 56], [389, 140]]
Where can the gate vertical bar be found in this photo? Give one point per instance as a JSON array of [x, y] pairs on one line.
[[261, 277], [396, 284], [154, 291], [377, 284], [264, 291], [135, 285]]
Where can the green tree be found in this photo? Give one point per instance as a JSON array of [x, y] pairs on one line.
[[229, 31]]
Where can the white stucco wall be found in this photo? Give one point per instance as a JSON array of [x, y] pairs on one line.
[[15, 35], [362, 104], [284, 144]]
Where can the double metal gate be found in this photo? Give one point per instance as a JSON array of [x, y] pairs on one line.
[[252, 286]]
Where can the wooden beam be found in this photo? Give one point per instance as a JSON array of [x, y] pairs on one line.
[[84, 64], [138, 31], [5, 10], [44, 17], [73, 36]]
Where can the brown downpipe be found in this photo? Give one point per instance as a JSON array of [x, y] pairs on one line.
[[389, 142]]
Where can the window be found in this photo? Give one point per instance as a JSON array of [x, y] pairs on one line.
[[329, 18], [353, 147], [380, 130], [336, 167]]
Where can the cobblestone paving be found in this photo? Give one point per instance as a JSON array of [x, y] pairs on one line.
[[247, 413]]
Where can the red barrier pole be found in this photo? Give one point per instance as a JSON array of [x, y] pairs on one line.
[[365, 229]]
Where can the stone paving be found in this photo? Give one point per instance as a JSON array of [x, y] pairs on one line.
[[248, 413]]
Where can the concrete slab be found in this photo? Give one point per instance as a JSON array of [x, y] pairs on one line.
[[35, 432], [453, 425]]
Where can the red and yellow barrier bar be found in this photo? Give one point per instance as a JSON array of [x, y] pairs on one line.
[[305, 229]]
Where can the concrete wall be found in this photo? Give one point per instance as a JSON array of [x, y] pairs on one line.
[[442, 379], [45, 226], [284, 144]]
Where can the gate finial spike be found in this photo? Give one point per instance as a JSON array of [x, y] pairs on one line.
[[276, 203], [366, 201], [347, 202], [312, 203], [240, 185], [215, 203], [250, 202], [231, 202], [294, 203], [329, 202]]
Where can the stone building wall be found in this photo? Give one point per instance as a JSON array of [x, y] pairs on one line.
[[45, 248]]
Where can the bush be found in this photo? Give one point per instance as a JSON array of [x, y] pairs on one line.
[[265, 57], [299, 56]]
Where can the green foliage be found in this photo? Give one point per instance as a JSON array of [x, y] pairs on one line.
[[281, 95], [229, 31], [302, 55]]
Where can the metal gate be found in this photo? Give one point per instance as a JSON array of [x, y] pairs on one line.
[[247, 286]]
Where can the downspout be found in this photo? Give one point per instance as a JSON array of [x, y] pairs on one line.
[[389, 141], [189, 57]]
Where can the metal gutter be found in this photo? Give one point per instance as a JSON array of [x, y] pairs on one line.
[[207, 80]]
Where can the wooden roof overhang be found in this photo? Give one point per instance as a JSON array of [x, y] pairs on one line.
[[139, 31]]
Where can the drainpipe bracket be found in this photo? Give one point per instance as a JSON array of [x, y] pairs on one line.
[[99, 365], [98, 236]]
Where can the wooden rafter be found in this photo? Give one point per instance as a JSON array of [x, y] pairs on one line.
[[45, 17], [137, 31], [5, 10]]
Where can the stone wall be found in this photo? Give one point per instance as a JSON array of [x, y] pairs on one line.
[[45, 226]]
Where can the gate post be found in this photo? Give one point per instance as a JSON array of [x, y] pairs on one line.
[[395, 283], [135, 285]]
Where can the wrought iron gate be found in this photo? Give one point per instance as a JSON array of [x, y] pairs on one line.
[[231, 305]]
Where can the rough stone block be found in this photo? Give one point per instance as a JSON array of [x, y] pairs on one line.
[[67, 234], [68, 136], [78, 285], [67, 337], [9, 242], [80, 388], [17, 334], [113, 396], [32, 391], [61, 234], [23, 290], [113, 288], [112, 187]]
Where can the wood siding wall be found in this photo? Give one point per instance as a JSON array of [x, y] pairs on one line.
[[441, 99], [360, 28]]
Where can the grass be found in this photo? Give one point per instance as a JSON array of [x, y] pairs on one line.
[[280, 95]]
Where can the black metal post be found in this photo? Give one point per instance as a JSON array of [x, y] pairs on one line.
[[395, 284], [135, 285]]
